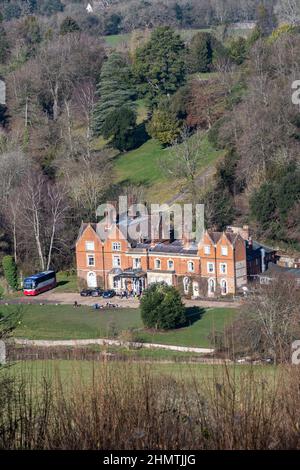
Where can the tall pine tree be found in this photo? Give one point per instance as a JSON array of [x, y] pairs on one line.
[[159, 65], [114, 90]]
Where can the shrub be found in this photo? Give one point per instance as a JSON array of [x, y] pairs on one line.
[[10, 272], [164, 126], [162, 307]]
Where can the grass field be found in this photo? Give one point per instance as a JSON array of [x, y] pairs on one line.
[[87, 370], [65, 322], [142, 166], [116, 40]]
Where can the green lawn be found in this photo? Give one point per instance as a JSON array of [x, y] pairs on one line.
[[67, 322], [116, 40], [142, 166], [66, 282]]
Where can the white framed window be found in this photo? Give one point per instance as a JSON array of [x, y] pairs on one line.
[[224, 251], [136, 263], [223, 268], [90, 246], [170, 264], [91, 260], [116, 261], [157, 264], [207, 250], [210, 267], [116, 246], [191, 266], [224, 287]]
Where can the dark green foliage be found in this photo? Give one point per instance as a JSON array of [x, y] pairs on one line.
[[274, 201], [219, 208], [263, 204], [227, 175], [162, 307], [159, 66], [10, 272], [112, 24], [237, 50], [164, 125], [119, 125], [49, 7], [69, 25], [203, 49], [114, 90], [179, 102]]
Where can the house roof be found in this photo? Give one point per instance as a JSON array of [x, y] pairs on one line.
[[176, 247], [275, 269], [83, 227]]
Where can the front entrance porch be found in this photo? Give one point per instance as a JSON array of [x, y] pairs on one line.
[[131, 281]]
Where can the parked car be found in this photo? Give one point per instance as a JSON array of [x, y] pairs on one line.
[[108, 294], [96, 292], [86, 293]]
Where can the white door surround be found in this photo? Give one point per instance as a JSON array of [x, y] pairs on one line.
[[91, 279]]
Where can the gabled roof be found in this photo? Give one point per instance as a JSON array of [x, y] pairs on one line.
[[216, 236], [83, 227]]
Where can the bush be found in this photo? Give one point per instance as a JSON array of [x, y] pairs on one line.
[[10, 272], [164, 126], [162, 307]]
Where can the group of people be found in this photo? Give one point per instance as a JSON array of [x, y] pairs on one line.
[[129, 295], [107, 305]]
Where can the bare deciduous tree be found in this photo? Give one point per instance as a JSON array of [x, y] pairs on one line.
[[183, 161]]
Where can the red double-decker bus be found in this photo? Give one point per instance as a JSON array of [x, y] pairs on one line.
[[38, 283]]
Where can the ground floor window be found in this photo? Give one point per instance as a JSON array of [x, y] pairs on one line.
[[211, 286]]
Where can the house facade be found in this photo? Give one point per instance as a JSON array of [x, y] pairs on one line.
[[215, 266]]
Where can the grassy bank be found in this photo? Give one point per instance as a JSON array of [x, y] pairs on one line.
[[142, 166]]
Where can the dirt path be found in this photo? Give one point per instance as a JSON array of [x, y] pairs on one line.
[[110, 342]]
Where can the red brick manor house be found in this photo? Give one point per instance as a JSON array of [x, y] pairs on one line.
[[218, 265]]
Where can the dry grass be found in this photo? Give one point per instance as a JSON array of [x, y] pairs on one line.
[[129, 407]]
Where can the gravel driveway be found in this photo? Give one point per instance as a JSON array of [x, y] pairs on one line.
[[67, 298]]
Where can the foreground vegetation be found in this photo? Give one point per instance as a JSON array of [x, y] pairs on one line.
[[66, 322], [127, 406]]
